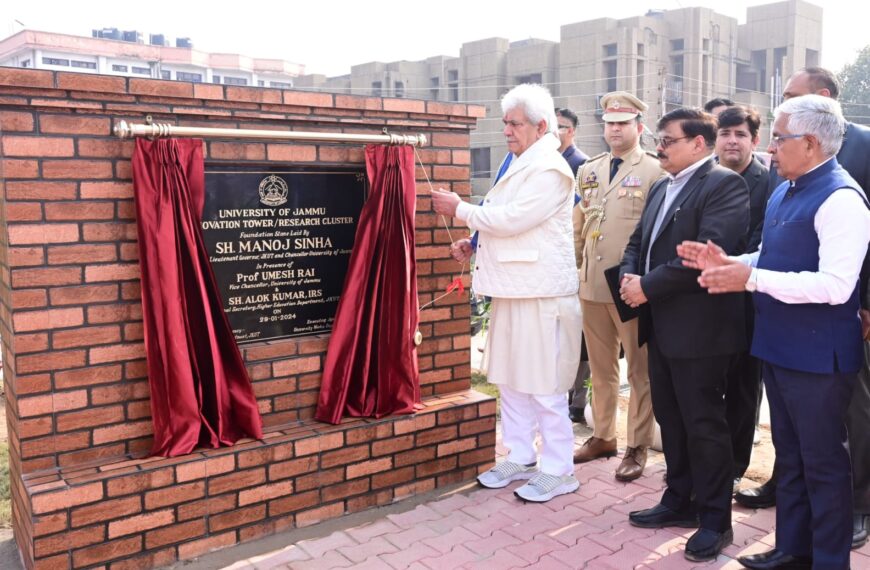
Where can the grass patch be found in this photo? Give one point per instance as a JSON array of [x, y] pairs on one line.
[[479, 383], [5, 497]]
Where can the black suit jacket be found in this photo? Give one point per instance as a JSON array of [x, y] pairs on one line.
[[757, 177], [687, 321]]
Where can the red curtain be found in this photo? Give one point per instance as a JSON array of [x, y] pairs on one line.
[[201, 395], [371, 363]]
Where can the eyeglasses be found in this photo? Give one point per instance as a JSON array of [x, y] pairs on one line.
[[777, 140], [665, 142]]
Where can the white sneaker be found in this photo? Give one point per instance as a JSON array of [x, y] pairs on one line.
[[504, 473], [544, 487]]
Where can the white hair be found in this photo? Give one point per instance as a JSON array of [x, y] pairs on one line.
[[818, 116], [535, 101]]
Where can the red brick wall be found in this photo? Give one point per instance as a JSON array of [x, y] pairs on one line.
[[70, 313]]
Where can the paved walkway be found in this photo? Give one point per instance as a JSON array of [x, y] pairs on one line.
[[477, 528]]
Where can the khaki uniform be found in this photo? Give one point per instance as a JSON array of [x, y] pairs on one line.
[[603, 222]]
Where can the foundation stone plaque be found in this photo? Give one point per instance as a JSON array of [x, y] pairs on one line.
[[279, 243]]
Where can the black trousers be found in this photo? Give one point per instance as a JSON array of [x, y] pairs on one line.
[[742, 398], [689, 405]]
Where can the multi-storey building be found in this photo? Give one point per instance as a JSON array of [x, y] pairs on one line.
[[668, 58], [124, 53]]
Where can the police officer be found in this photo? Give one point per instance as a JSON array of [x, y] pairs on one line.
[[613, 188]]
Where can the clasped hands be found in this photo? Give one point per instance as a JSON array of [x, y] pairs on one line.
[[630, 290], [719, 273]]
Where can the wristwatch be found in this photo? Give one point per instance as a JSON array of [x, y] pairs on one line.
[[751, 284]]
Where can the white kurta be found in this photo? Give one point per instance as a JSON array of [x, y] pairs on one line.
[[533, 345]]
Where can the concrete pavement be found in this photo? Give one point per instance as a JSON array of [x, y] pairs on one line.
[[472, 527]]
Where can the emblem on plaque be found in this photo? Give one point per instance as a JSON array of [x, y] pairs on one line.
[[273, 190]]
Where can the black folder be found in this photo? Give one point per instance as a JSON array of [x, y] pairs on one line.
[[626, 313]]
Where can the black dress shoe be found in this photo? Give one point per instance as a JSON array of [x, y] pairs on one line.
[[661, 516], [859, 530], [758, 497], [706, 544], [576, 416], [776, 559]]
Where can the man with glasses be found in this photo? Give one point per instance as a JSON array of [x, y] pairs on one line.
[[692, 337], [567, 128], [613, 187], [853, 157], [807, 330], [736, 140]]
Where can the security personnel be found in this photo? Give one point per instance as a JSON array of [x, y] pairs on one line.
[[613, 188]]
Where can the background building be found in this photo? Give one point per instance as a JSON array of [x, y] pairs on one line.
[[114, 52], [668, 58]]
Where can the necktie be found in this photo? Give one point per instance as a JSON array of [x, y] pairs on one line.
[[614, 166]]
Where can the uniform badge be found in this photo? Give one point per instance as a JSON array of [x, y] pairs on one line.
[[631, 181], [638, 193], [621, 192]]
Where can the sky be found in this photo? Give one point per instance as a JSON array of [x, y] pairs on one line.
[[329, 36]]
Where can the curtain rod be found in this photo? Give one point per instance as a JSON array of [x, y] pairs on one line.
[[125, 130]]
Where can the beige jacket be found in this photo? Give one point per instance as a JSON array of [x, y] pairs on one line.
[[607, 214]]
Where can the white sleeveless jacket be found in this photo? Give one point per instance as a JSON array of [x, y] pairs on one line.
[[526, 243]]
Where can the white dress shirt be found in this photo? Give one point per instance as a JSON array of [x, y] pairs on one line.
[[842, 223], [673, 189]]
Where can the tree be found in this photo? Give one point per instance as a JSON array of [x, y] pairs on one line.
[[855, 92]]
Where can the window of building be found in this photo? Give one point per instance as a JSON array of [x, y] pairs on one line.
[[281, 84], [399, 88], [119, 68], [215, 78], [530, 78], [677, 45], [434, 84], [55, 61], [610, 75], [677, 66], [84, 64], [235, 80], [480, 162], [165, 74], [706, 44], [640, 71], [376, 88], [640, 50], [142, 70], [453, 84], [610, 50], [25, 63], [192, 77]]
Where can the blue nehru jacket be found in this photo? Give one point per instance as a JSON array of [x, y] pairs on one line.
[[809, 337]]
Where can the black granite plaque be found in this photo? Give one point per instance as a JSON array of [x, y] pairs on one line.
[[279, 243]]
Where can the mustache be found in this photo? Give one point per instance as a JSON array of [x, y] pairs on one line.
[[661, 155]]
